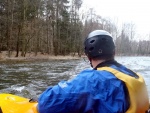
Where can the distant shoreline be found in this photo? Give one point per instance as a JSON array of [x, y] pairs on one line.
[[39, 56], [31, 56]]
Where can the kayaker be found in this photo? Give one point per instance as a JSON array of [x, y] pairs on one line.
[[109, 87]]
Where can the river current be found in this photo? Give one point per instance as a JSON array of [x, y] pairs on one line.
[[30, 78]]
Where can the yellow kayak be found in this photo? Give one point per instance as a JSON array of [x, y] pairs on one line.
[[15, 104]]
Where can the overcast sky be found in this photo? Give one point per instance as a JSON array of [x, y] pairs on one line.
[[135, 11]]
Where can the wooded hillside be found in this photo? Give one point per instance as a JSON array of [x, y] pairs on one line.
[[58, 27]]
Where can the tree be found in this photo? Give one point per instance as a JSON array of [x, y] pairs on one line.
[[57, 27]]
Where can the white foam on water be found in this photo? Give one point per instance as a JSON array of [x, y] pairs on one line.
[[24, 69], [17, 88]]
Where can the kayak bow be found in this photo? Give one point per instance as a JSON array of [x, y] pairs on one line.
[[15, 104]]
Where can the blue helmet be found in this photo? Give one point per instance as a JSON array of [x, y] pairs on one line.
[[99, 43]]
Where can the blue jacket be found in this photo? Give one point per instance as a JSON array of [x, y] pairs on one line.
[[92, 91]]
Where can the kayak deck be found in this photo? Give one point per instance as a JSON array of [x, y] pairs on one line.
[[15, 104]]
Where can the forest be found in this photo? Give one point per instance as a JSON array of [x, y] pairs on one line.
[[59, 27]]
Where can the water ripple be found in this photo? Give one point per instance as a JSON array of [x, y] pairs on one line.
[[32, 78]]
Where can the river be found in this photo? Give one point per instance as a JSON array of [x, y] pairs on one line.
[[30, 78]]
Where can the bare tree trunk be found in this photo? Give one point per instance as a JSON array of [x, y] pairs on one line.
[[8, 29], [11, 27], [18, 41], [23, 29]]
